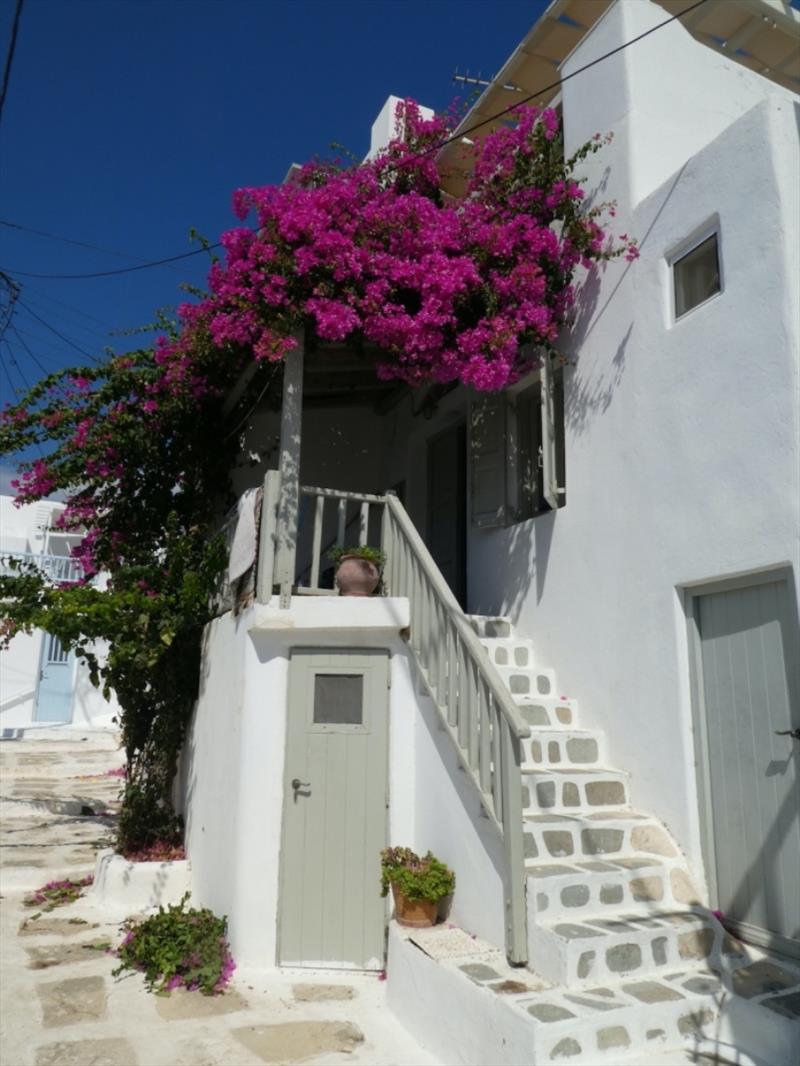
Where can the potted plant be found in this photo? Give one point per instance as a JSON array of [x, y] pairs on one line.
[[358, 570], [418, 885]]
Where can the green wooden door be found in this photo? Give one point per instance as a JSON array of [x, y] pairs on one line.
[[335, 802]]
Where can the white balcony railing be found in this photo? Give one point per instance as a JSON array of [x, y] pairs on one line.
[[57, 568]]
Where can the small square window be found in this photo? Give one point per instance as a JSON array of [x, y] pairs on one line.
[[696, 276], [338, 699]]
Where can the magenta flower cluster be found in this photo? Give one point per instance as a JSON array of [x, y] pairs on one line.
[[444, 289], [448, 290]]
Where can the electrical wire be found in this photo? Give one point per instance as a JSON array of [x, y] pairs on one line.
[[121, 270], [35, 359], [71, 323], [18, 368], [41, 294], [69, 240], [58, 334], [12, 386], [459, 136], [554, 85], [10, 56]]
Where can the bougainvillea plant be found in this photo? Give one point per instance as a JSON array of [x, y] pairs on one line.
[[142, 445], [178, 947]]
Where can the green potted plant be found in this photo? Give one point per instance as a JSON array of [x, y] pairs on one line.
[[418, 885], [358, 570]]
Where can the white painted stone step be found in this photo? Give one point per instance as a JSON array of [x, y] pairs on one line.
[[602, 888], [467, 1008], [548, 712], [491, 625], [525, 681], [562, 747], [612, 835], [508, 651], [573, 789], [578, 953]]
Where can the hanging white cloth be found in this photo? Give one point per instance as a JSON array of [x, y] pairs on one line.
[[243, 546]]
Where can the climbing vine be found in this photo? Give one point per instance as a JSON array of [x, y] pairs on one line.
[[143, 444]]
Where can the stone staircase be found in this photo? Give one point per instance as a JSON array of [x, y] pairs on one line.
[[637, 966]]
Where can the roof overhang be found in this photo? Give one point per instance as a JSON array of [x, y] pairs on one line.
[[763, 35]]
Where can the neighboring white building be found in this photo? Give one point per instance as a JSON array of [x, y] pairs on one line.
[[648, 575], [42, 685]]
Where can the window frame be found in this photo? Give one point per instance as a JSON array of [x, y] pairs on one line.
[[679, 252]]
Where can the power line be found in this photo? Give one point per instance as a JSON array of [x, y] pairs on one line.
[[42, 295], [69, 240], [460, 135], [14, 363], [54, 312], [10, 57], [121, 270], [11, 384], [33, 357], [58, 334], [554, 85]]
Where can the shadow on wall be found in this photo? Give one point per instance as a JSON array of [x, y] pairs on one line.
[[592, 382], [451, 823]]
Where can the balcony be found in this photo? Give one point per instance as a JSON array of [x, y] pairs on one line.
[[57, 568]]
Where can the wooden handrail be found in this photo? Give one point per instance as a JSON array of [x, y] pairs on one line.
[[519, 726], [475, 709]]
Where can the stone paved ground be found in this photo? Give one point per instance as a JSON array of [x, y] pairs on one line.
[[59, 1004]]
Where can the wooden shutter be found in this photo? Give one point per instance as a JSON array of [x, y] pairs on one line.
[[488, 461], [550, 489]]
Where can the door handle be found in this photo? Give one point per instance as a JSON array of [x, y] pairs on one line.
[[795, 733], [297, 783]]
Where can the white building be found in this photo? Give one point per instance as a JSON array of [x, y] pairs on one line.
[[41, 684], [624, 760]]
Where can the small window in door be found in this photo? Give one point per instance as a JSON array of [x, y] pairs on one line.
[[338, 699], [696, 276]]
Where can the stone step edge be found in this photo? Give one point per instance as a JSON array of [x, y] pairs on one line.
[[579, 769], [545, 1036], [635, 924]]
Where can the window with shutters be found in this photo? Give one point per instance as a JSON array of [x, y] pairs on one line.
[[516, 451]]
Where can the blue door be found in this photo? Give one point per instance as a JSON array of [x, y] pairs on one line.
[[54, 695]]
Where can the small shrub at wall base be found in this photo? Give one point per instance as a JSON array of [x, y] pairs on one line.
[[179, 946]]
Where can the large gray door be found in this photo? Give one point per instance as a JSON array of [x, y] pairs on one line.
[[335, 800], [748, 688]]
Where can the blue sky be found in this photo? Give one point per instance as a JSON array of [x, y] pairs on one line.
[[129, 121]]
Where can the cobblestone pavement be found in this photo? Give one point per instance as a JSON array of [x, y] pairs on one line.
[[59, 1004]]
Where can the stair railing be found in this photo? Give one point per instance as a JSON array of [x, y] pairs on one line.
[[473, 704]]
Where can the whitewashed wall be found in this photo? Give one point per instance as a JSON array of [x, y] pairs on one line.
[[233, 767], [682, 438]]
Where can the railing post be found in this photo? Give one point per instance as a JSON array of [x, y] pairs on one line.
[[316, 542], [266, 537], [289, 466], [511, 785], [391, 567]]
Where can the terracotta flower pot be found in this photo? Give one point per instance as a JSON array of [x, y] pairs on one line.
[[356, 576], [416, 913]]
